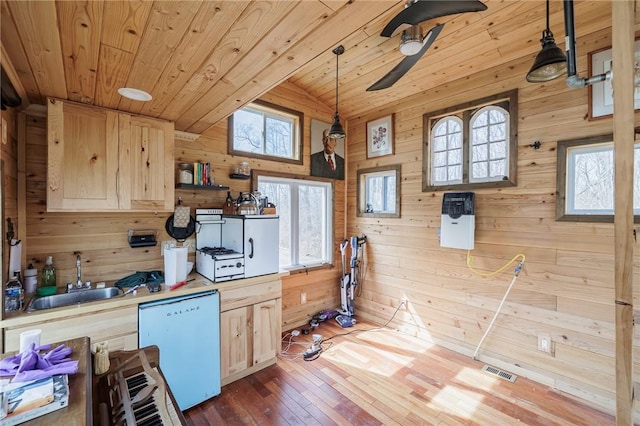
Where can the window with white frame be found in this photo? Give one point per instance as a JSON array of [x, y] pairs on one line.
[[265, 130], [446, 151], [305, 208], [489, 144], [472, 145], [585, 180]]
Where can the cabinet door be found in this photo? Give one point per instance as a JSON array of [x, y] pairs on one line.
[[261, 239], [235, 343], [146, 173], [82, 157], [266, 330]]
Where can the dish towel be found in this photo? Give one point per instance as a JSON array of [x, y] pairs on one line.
[[181, 216]]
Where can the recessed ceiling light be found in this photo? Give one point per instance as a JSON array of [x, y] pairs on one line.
[[135, 94]]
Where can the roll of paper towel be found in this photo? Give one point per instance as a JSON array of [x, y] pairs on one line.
[[175, 265], [28, 337]]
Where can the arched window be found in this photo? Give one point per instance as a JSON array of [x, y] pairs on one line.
[[446, 151], [472, 145], [489, 144]]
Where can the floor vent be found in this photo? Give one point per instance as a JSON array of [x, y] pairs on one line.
[[500, 373]]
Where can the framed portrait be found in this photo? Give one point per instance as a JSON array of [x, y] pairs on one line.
[[380, 137], [320, 167], [601, 94]]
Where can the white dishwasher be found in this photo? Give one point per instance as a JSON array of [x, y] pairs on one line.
[[187, 331]]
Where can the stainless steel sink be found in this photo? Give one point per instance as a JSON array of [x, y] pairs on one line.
[[66, 299]]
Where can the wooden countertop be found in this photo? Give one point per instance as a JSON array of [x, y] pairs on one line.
[[79, 410], [199, 284]]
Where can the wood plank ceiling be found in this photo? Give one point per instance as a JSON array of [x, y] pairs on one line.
[[201, 60]]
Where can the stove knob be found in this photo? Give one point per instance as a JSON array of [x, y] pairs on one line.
[[239, 265]]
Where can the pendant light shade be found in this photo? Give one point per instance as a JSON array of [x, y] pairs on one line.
[[336, 131], [550, 63]]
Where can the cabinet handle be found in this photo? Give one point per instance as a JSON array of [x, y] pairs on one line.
[[251, 253]]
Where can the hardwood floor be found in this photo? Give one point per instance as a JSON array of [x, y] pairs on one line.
[[384, 377]]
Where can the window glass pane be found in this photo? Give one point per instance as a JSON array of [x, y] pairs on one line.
[[590, 189], [440, 174], [266, 130], [247, 130], [305, 225], [440, 159], [455, 156], [479, 153], [440, 129], [278, 135], [311, 224], [497, 132], [480, 170], [280, 195], [455, 141], [390, 192], [498, 150], [497, 115], [480, 120], [479, 136], [496, 169], [439, 143], [455, 173]]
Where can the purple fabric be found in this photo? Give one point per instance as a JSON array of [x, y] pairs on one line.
[[31, 365]]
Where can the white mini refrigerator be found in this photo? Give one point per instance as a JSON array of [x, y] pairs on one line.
[[187, 331]]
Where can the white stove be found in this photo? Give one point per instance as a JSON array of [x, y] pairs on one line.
[[214, 262]]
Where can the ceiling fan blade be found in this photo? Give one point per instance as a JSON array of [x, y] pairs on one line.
[[423, 10], [409, 61]]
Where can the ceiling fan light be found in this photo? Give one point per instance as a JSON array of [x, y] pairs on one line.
[[550, 63], [411, 41]]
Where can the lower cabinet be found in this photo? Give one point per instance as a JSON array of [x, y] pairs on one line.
[[118, 327], [250, 333]]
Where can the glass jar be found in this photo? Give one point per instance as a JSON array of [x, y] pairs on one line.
[[244, 168], [185, 173]]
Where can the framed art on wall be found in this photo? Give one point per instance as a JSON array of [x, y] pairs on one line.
[[380, 137], [601, 94]]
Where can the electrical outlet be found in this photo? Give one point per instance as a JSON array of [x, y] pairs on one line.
[[544, 343], [303, 298]]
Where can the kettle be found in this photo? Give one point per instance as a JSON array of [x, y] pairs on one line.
[[247, 204]]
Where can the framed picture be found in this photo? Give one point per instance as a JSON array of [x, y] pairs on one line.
[[601, 94], [380, 137]]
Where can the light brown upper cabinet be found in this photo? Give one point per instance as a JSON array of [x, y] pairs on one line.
[[103, 160]]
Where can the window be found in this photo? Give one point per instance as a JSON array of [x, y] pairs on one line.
[[472, 145], [585, 180], [264, 130], [379, 191], [305, 208]]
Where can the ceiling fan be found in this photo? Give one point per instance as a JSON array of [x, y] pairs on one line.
[[412, 43]]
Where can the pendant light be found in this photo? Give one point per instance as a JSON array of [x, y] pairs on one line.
[[550, 62], [336, 131]]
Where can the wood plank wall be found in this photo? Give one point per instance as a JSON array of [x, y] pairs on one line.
[[101, 238], [566, 289]]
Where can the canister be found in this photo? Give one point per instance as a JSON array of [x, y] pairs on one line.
[[185, 173], [30, 279]]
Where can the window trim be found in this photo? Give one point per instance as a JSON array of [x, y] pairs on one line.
[[561, 180], [361, 191], [466, 111], [268, 105], [255, 173]]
